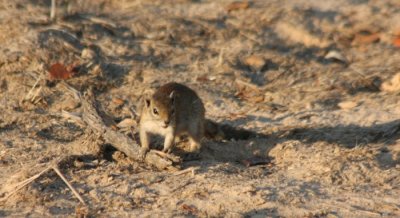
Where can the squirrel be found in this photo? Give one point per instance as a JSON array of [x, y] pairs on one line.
[[174, 110]]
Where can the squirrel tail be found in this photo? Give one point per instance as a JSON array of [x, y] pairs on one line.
[[218, 131]]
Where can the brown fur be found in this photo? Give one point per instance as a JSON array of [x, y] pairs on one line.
[[173, 110]]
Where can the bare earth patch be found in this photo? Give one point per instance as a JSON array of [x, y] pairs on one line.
[[317, 82]]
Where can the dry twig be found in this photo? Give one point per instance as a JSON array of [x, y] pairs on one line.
[[24, 183], [53, 10], [55, 168], [29, 96], [188, 170], [166, 155], [53, 165]]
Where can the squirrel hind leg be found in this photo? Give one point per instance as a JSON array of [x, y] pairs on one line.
[[195, 144], [213, 130], [196, 133]]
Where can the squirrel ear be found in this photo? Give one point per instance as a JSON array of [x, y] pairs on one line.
[[147, 98], [147, 101]]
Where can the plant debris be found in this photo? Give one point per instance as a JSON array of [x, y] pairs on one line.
[[59, 71]]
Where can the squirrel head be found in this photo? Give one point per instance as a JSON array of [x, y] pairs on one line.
[[161, 107]]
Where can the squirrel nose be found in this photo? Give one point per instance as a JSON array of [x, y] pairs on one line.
[[166, 123]]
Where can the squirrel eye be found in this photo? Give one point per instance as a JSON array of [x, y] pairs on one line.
[[155, 111]]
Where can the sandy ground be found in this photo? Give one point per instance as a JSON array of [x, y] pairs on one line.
[[308, 77]]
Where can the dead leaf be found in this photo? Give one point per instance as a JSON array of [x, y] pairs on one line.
[[237, 6], [203, 78], [248, 92], [363, 38], [393, 85], [396, 41], [81, 211], [118, 101], [255, 61], [190, 208], [346, 105], [59, 71]]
